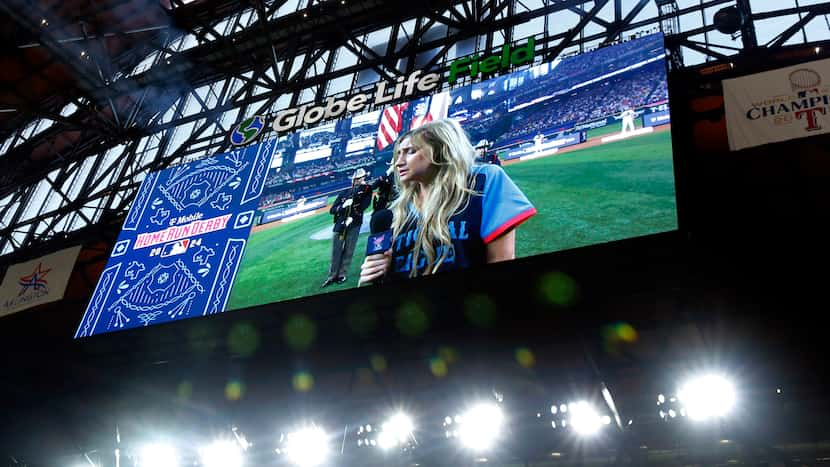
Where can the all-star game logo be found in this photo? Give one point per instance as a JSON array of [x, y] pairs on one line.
[[35, 281], [808, 103], [377, 243], [246, 131], [32, 287]]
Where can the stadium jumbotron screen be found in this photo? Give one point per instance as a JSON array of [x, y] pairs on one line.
[[557, 156], [585, 141]]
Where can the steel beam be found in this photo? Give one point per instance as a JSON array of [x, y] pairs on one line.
[[141, 100]]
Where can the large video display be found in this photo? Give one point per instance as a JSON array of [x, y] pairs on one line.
[[556, 156], [570, 153]]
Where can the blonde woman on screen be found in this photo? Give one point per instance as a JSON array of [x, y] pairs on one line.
[[450, 213]]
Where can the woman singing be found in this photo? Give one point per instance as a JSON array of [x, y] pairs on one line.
[[450, 213]]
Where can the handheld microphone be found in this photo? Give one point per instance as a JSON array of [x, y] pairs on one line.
[[380, 226]]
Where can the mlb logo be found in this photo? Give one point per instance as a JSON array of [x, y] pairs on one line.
[[378, 243], [175, 248]]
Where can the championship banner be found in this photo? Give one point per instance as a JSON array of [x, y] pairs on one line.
[[35, 282], [778, 105], [181, 244]]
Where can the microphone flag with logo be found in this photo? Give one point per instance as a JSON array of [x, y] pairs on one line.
[[380, 227]]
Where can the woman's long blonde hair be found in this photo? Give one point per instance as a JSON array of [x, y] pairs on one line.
[[450, 151]]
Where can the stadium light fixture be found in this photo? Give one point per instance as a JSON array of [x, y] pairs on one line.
[[222, 453], [585, 420], [481, 426], [395, 431], [307, 447], [158, 455], [707, 397]]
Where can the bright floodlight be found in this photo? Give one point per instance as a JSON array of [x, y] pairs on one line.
[[481, 426], [221, 454], [707, 397], [307, 447], [158, 455], [395, 431], [584, 419]]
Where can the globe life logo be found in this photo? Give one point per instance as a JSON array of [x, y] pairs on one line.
[[404, 87], [401, 88], [246, 131]]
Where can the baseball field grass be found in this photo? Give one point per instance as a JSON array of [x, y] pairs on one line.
[[583, 197], [615, 127]]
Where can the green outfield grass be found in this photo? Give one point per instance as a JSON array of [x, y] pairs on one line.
[[615, 127], [599, 194], [283, 262], [593, 195]]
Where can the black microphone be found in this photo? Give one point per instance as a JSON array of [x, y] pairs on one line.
[[380, 226]]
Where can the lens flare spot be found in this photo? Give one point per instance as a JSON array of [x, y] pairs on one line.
[[299, 332], [234, 390], [480, 310], [448, 354], [412, 320], [243, 339], [201, 338], [184, 390], [303, 381], [378, 362], [525, 357], [438, 367], [361, 319], [619, 333], [558, 288], [626, 332]]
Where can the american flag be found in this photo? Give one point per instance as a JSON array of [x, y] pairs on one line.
[[391, 123], [430, 108]]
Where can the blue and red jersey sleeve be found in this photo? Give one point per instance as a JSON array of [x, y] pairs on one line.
[[504, 205]]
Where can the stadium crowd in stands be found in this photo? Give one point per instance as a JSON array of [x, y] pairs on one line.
[[366, 129], [317, 139], [268, 200], [575, 70], [289, 183], [633, 89], [488, 118]]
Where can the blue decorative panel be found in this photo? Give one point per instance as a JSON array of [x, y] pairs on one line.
[[181, 243]]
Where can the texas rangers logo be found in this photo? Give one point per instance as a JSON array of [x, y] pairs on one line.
[[34, 281], [246, 131]]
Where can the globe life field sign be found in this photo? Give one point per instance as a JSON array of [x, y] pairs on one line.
[[473, 66]]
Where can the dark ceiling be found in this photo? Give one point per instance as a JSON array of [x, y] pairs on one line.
[[52, 50]]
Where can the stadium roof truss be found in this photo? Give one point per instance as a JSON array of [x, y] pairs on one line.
[[103, 94]]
